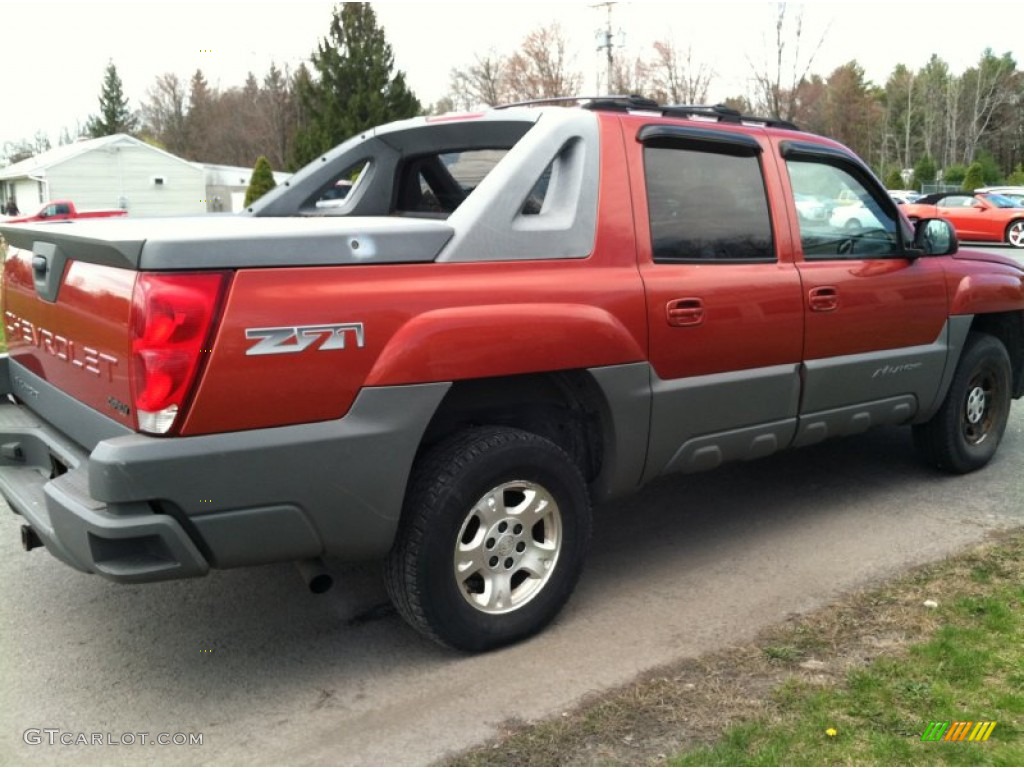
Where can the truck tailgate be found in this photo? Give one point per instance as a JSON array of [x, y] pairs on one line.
[[67, 321]]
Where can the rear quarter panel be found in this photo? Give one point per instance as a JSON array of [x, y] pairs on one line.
[[422, 323], [428, 322]]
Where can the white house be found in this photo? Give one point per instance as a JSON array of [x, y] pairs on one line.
[[226, 186], [116, 171]]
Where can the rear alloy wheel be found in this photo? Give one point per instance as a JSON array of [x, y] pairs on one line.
[[492, 540], [965, 432], [508, 547], [1015, 233]]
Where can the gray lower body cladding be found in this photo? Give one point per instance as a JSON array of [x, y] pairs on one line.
[[700, 422], [139, 508]]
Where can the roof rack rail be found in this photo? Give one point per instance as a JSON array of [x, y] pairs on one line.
[[627, 102], [724, 114], [622, 102]]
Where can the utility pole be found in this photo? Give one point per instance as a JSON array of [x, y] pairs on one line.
[[605, 43]]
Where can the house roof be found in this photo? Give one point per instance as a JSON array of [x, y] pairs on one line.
[[37, 166]]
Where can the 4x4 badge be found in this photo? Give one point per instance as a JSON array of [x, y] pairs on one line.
[[296, 338]]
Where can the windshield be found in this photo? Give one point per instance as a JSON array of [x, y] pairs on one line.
[[1001, 201]]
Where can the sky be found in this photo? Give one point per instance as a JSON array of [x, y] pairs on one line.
[[55, 53]]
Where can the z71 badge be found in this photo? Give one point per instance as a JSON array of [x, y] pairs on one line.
[[297, 338]]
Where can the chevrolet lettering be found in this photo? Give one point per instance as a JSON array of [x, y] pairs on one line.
[[67, 350]]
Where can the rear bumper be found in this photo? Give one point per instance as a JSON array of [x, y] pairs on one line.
[[135, 508]]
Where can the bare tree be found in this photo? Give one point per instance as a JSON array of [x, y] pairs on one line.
[[987, 87], [952, 111], [901, 128], [542, 67], [16, 151], [776, 82], [480, 83], [631, 76], [164, 114], [70, 135], [930, 97], [676, 78]]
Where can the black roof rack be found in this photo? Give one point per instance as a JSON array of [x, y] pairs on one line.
[[622, 103], [724, 114], [619, 103], [627, 102]]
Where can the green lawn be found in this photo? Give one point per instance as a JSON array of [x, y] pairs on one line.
[[970, 670], [858, 683]]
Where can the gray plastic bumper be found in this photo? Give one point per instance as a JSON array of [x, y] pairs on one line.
[[139, 508]]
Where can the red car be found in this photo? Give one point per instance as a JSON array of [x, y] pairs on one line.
[[974, 216]]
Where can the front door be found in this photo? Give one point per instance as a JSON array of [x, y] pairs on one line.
[[876, 333]]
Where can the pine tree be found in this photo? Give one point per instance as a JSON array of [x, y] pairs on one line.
[[114, 116], [262, 181], [354, 87], [975, 177], [893, 179], [199, 120], [924, 171]]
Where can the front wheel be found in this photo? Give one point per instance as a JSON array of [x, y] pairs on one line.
[[492, 539], [965, 432], [1015, 233]]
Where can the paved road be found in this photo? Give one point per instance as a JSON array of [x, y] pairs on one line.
[[268, 673]]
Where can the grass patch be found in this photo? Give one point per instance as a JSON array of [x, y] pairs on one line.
[[854, 684]]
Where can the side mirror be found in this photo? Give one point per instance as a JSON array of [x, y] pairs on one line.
[[935, 237]]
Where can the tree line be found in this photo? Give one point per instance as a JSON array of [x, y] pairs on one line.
[[936, 122], [919, 127]]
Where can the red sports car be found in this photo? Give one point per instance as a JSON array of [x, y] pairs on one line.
[[974, 216]]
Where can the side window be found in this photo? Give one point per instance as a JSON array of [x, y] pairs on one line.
[[337, 193], [437, 184], [706, 205], [839, 218]]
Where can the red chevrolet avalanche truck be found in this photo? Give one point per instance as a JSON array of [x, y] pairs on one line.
[[510, 316]]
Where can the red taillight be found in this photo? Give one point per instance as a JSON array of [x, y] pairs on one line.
[[172, 325]]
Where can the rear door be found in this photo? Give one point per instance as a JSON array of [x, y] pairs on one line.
[[724, 311], [876, 319]]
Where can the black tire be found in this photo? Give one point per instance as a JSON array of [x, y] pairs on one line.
[[517, 575], [965, 432]]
